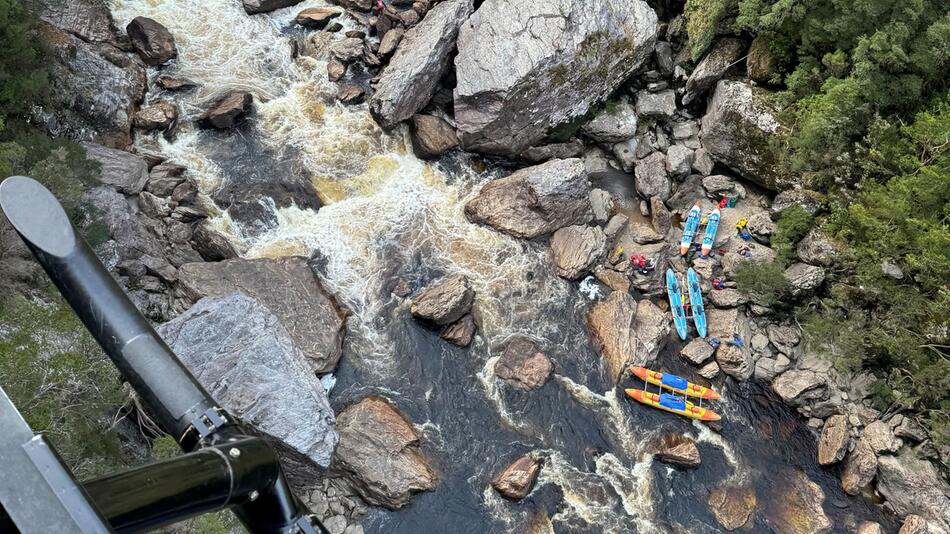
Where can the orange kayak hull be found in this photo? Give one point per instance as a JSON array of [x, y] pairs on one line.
[[656, 378], [691, 411]]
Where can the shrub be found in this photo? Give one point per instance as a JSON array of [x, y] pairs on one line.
[[792, 226], [764, 282]]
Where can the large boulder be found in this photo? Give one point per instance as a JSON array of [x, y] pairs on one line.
[[834, 440], [289, 288], [800, 511], [124, 171], [698, 351], [90, 20], [576, 249], [228, 111], [676, 449], [859, 468], [613, 124], [803, 279], [523, 364], [444, 302], [732, 505], [157, 116], [152, 41], [652, 329], [611, 324], [881, 438], [379, 454], [516, 481], [735, 361], [412, 75], [253, 7], [740, 130], [526, 67], [431, 136], [913, 485], [657, 106], [723, 55], [242, 354], [95, 89], [797, 387], [652, 179], [536, 200]]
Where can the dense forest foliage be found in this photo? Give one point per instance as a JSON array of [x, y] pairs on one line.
[[864, 87]]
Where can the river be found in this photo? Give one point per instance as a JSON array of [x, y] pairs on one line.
[[386, 216]]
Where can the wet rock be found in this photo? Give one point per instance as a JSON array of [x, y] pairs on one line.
[[611, 324], [712, 67], [538, 154], [460, 332], [785, 338], [679, 161], [95, 89], [379, 454], [661, 216], [253, 7], [612, 125], [652, 329], [732, 505], [350, 93], [817, 248], [797, 387], [651, 177], [157, 116], [152, 41], [523, 364], [615, 280], [412, 76], [576, 249], [834, 440], [703, 162], [317, 17], [536, 200], [444, 302], [125, 172], [800, 511], [431, 136], [735, 362], [517, 480], [859, 468], [803, 279], [336, 70], [228, 111], [602, 205], [678, 450], [914, 486], [697, 351], [810, 201], [739, 130], [170, 83], [549, 75], [288, 288], [239, 350]]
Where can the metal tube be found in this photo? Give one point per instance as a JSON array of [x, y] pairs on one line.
[[171, 393]]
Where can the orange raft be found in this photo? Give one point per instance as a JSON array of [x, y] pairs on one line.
[[672, 404], [673, 383]]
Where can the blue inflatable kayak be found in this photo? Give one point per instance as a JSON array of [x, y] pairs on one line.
[[676, 303], [689, 230], [696, 299], [712, 225]]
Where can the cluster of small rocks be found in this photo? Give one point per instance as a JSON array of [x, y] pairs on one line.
[[336, 506]]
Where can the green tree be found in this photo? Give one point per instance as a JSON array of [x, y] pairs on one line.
[[23, 76]]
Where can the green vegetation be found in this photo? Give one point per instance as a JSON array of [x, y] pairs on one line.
[[864, 89]]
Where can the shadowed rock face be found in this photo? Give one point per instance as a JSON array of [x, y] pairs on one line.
[[379, 454], [242, 354], [288, 288], [732, 505], [525, 67], [517, 480], [153, 42], [536, 200]]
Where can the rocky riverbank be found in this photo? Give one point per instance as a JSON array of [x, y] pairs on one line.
[[638, 112]]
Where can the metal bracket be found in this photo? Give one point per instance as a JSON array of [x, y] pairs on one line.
[[205, 424]]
